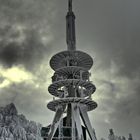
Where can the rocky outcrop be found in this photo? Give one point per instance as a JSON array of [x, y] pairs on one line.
[[16, 127]]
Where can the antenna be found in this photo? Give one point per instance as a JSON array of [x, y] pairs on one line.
[[70, 6], [70, 28]]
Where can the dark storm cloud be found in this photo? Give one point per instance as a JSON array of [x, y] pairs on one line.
[[30, 20], [29, 52]]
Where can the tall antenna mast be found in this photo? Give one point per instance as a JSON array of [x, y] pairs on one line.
[[70, 5], [70, 28]]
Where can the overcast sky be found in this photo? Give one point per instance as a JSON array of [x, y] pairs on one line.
[[31, 31]]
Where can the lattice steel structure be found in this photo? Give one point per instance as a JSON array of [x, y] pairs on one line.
[[72, 90]]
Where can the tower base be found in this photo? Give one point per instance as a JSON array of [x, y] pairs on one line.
[[63, 132]]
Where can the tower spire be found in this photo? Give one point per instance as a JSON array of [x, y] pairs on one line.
[[70, 28], [70, 6]]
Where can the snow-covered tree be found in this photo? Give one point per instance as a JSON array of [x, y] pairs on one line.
[[19, 133], [31, 137], [3, 133], [112, 135]]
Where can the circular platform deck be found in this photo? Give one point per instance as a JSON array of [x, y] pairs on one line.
[[89, 87], [90, 104], [81, 59]]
